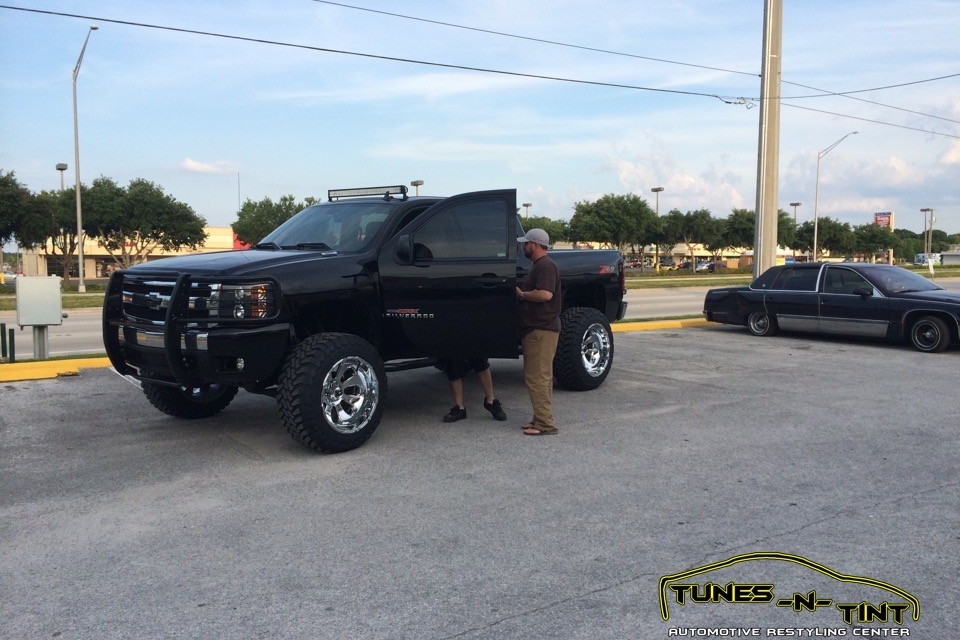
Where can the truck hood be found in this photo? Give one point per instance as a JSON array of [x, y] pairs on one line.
[[249, 262]]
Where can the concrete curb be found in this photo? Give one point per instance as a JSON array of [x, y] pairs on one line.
[[19, 371]]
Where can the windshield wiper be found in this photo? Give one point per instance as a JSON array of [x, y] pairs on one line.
[[314, 245], [268, 245]]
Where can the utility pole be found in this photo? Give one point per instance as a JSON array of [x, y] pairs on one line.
[[768, 155]]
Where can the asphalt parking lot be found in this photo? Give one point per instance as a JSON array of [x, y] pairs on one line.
[[705, 444]]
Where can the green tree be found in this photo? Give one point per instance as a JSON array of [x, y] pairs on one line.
[[939, 241], [804, 237], [556, 229], [742, 224], [15, 199], [909, 244], [835, 236], [51, 224], [690, 228], [257, 219], [740, 228], [786, 229], [871, 239], [832, 235], [130, 223], [617, 220], [47, 219], [716, 239]]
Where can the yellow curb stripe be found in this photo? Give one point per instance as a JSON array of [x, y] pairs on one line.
[[653, 325], [19, 371]]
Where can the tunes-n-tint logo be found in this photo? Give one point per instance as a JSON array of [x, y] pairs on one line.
[[683, 590]]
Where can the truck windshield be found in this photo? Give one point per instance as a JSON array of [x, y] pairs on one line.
[[342, 227]]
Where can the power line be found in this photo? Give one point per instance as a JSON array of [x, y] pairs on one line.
[[823, 92], [879, 104], [726, 99], [443, 65], [888, 124], [889, 86], [532, 39]]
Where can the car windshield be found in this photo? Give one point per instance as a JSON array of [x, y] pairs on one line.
[[897, 280], [345, 227]]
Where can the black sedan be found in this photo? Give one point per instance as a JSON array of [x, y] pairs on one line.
[[849, 298]]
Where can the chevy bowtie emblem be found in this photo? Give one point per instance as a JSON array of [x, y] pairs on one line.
[[154, 300]]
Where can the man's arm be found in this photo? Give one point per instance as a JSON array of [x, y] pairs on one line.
[[536, 295]]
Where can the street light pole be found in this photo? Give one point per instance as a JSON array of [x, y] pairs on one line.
[[417, 184], [657, 191], [61, 167], [81, 288], [795, 205], [816, 204]]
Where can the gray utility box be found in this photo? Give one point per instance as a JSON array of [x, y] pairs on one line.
[[38, 301]]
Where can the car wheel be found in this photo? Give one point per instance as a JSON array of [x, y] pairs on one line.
[[930, 334], [190, 403], [331, 392], [761, 323], [584, 351]]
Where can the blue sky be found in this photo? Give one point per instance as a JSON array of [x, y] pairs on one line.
[[217, 120]]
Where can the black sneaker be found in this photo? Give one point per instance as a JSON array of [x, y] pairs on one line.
[[495, 408], [456, 413]]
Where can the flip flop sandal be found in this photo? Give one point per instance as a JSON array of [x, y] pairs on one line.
[[539, 431]]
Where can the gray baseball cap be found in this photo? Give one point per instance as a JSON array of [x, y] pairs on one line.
[[535, 235]]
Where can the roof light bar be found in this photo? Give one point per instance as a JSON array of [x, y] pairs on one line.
[[386, 192]]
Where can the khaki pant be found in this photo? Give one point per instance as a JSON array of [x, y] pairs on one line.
[[539, 347]]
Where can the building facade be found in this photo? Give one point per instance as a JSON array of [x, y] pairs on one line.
[[98, 263]]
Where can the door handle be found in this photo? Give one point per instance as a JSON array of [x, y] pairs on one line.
[[489, 280]]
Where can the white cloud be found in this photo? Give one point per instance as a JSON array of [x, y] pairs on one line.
[[195, 166], [952, 155], [891, 171]]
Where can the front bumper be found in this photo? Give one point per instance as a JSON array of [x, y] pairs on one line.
[[187, 351]]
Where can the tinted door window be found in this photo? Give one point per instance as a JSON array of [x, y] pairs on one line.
[[844, 281], [796, 280], [470, 230]]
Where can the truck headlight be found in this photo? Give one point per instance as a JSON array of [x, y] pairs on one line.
[[240, 301]]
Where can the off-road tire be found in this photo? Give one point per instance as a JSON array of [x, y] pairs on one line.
[[761, 323], [190, 403], [584, 351], [930, 334], [331, 392]]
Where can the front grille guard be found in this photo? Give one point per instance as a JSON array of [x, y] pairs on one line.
[[176, 319]]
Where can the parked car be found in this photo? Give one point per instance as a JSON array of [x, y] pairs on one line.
[[852, 299], [667, 264]]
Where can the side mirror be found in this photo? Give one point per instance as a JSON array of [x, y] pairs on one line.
[[863, 292], [403, 253]]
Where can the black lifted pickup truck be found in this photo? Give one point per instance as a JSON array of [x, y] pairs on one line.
[[315, 314]]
